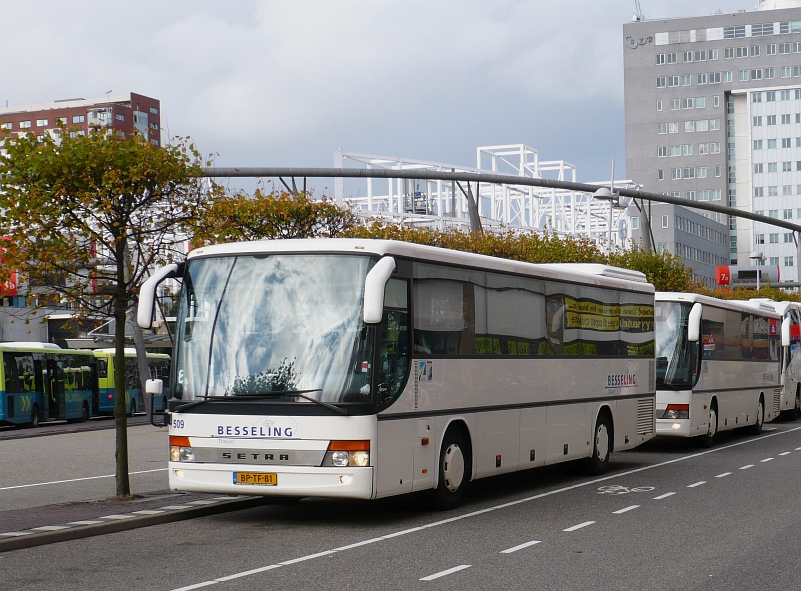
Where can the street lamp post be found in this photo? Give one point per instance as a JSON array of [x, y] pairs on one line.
[[759, 258]]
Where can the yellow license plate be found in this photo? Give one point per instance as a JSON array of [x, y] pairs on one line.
[[255, 478]]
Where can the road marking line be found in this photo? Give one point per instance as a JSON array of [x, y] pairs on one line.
[[51, 527], [85, 522], [17, 534], [117, 517], [445, 572], [785, 453], [664, 496], [579, 526], [175, 507], [723, 475], [766, 460], [746, 467], [520, 547], [696, 484], [798, 449], [79, 479], [536, 497], [148, 512], [309, 557], [246, 573], [629, 508]]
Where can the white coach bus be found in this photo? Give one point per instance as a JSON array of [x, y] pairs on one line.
[[790, 404], [369, 368], [718, 365]]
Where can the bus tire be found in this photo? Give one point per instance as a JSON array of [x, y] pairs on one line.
[[35, 416], [132, 410], [602, 445], [795, 414], [756, 428], [707, 439], [85, 413], [454, 471]]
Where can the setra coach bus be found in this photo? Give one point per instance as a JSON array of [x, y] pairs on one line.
[[369, 368]]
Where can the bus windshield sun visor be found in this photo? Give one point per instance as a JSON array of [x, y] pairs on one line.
[[374, 285], [147, 293]]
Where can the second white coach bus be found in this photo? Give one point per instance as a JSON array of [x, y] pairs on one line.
[[368, 368], [718, 365]]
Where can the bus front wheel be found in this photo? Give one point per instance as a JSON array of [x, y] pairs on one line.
[[602, 445], [35, 416], [133, 408], [454, 472], [85, 413], [708, 438], [756, 428]]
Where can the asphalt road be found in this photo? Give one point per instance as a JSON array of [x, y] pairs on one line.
[[78, 466], [669, 516]]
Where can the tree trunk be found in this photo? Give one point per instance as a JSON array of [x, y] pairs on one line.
[[120, 410]]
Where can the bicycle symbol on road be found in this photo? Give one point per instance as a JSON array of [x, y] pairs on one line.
[[616, 489]]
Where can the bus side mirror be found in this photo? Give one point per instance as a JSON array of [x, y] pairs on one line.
[[374, 285], [694, 323], [147, 293], [155, 388], [786, 326]]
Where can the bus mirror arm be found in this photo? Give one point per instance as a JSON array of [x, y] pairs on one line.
[[374, 285], [694, 323], [786, 333], [147, 293], [156, 388]]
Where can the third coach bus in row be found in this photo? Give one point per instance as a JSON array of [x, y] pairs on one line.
[[368, 368]]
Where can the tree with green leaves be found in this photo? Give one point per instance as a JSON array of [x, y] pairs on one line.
[[88, 216], [240, 217]]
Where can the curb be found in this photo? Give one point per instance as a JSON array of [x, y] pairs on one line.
[[108, 524]]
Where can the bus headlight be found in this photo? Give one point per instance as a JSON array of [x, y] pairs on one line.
[[347, 453], [181, 449], [677, 411]]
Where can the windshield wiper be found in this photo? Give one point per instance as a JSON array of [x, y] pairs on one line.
[[261, 396]]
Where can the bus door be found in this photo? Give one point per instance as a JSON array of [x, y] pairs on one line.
[[95, 389], [54, 383]]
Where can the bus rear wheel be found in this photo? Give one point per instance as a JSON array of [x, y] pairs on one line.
[[85, 413], [132, 412], [35, 416], [602, 445], [454, 471]]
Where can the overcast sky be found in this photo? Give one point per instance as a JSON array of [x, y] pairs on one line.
[[286, 83]]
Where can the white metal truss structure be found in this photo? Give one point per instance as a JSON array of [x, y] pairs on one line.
[[443, 204]]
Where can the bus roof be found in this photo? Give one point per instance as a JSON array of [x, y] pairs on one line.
[[737, 305], [592, 274], [129, 352], [34, 347], [780, 307]]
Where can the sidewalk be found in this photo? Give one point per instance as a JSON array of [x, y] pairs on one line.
[[35, 526]]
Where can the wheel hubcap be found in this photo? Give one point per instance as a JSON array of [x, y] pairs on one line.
[[602, 442], [453, 468], [713, 422]]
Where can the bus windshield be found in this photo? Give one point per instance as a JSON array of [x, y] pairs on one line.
[[270, 325], [676, 359]]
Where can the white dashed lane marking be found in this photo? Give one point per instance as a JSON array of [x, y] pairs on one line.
[[746, 467], [785, 453], [766, 460], [624, 510], [579, 526], [693, 485], [445, 572], [723, 475], [664, 496], [519, 547]]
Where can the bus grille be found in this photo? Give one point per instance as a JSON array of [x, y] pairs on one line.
[[777, 395], [645, 415]]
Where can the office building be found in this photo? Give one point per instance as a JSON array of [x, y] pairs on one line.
[[713, 113], [124, 114]]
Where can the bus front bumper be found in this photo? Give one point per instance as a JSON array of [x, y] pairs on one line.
[[673, 427], [291, 481]]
